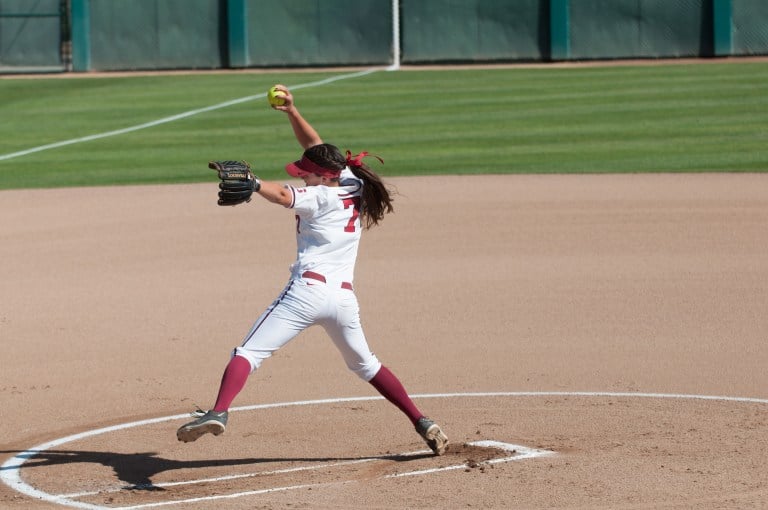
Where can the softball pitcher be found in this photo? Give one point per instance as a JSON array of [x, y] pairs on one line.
[[341, 196]]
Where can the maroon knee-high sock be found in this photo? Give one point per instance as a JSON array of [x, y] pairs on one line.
[[233, 380], [392, 389]]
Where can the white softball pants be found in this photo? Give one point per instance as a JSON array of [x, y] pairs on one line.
[[304, 303]]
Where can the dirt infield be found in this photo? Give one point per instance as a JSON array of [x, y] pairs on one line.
[[565, 330]]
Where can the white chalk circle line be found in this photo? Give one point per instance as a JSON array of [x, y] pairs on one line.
[[10, 471]]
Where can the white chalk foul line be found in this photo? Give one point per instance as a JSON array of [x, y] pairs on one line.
[[10, 471], [176, 117]]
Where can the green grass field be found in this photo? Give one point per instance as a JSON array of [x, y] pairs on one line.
[[649, 118]]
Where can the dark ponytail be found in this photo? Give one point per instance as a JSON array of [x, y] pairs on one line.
[[377, 197]]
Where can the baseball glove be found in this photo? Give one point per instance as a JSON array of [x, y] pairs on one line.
[[237, 182]]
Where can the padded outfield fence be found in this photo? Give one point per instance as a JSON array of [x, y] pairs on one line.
[[105, 35]]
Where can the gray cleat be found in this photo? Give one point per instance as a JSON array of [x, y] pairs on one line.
[[432, 434], [209, 422]]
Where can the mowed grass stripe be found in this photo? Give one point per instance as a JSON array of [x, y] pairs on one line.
[[710, 117]]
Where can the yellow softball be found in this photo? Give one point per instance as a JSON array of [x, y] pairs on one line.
[[276, 97]]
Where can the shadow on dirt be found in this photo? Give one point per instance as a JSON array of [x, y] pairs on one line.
[[137, 469]]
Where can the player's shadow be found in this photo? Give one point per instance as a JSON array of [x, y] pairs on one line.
[[137, 469]]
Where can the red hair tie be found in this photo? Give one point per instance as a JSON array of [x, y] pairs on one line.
[[357, 161]]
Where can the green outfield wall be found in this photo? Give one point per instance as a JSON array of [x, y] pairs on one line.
[[210, 34], [749, 27], [651, 28], [469, 30], [152, 34], [309, 33], [31, 34]]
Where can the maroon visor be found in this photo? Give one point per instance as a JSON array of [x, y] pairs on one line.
[[305, 166]]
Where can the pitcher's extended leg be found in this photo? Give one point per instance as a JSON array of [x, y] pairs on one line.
[[232, 382], [392, 389]]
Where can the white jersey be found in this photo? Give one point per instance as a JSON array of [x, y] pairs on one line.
[[328, 228]]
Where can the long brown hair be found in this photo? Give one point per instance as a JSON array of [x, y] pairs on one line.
[[377, 196]]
